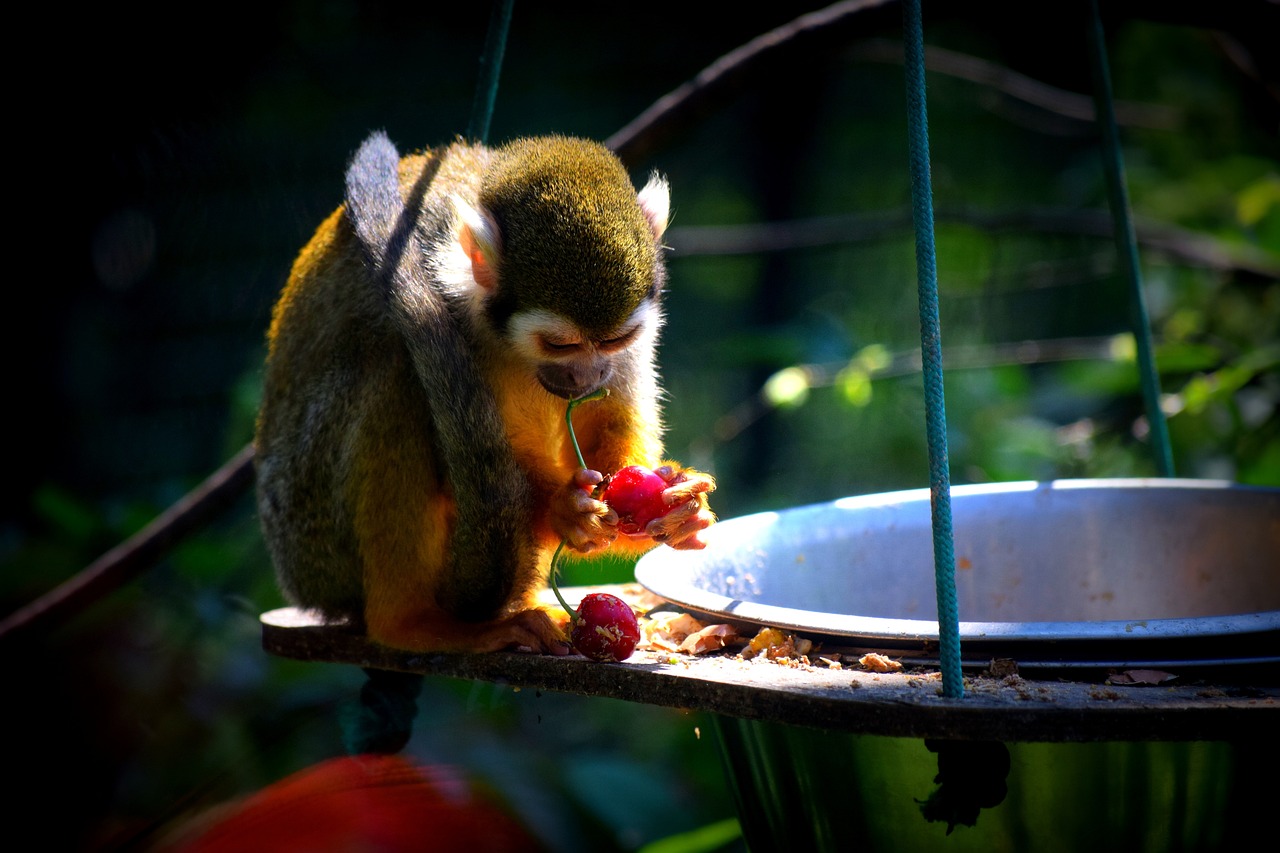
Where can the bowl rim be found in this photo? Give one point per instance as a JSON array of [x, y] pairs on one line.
[[663, 573]]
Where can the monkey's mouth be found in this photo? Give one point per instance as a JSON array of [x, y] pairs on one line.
[[569, 384], [568, 391]]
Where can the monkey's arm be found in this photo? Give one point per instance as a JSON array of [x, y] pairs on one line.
[[612, 435], [589, 526]]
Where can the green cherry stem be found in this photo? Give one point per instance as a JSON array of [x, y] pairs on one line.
[[598, 394], [582, 463], [555, 570]]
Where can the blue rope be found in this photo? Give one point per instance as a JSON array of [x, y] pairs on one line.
[[495, 45], [931, 352], [1127, 244]]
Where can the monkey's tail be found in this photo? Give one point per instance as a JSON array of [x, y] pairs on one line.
[[493, 539]]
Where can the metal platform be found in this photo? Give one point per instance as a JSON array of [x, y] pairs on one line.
[[1193, 706]]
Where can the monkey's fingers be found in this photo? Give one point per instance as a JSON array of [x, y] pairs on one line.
[[683, 484], [681, 527], [596, 527], [585, 478], [581, 503], [688, 537], [687, 491]]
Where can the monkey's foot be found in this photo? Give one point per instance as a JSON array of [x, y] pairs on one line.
[[531, 629]]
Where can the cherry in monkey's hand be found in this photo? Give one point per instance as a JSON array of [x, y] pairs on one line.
[[635, 494]]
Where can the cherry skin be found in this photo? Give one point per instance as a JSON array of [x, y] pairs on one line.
[[606, 628], [635, 494]]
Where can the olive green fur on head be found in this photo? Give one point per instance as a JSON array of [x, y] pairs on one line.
[[574, 239]]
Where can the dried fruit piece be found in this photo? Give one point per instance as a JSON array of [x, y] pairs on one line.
[[605, 629], [777, 645], [665, 631], [712, 638], [879, 663]]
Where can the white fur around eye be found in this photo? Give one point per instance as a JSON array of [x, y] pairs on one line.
[[527, 327]]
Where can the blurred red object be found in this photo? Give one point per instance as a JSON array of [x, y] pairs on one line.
[[383, 803]]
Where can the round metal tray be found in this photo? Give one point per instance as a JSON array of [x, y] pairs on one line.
[[1125, 572]]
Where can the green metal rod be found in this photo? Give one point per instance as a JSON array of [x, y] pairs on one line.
[[1127, 244], [495, 45]]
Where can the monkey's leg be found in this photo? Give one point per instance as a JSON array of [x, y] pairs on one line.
[[404, 548]]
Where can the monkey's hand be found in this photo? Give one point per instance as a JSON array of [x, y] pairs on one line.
[[584, 523], [687, 491]]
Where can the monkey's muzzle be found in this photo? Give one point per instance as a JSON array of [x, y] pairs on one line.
[[572, 381]]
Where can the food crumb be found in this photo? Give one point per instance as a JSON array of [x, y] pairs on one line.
[[876, 662]]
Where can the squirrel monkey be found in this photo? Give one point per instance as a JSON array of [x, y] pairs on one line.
[[415, 474]]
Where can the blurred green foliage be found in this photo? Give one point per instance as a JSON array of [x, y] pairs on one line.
[[790, 374]]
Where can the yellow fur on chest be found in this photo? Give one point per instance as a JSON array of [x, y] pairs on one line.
[[535, 425]]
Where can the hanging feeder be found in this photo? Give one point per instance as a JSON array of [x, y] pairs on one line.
[[1059, 576], [1064, 574]]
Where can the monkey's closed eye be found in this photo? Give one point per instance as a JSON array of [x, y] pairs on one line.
[[621, 341], [559, 347]]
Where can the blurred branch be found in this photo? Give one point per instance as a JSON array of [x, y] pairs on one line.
[[1026, 89], [906, 362], [811, 34], [1180, 244], [137, 553], [798, 39]]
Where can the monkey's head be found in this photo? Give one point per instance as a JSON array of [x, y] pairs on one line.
[[567, 258]]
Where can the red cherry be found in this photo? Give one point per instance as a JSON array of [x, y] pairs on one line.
[[606, 628], [635, 494]]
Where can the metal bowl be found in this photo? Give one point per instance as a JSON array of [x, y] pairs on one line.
[[1063, 573]]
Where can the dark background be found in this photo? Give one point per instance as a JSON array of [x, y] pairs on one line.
[[165, 177]]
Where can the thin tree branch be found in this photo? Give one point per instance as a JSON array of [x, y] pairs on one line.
[[800, 37], [137, 553], [1185, 246], [1067, 104]]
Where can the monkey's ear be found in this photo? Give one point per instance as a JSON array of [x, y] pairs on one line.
[[655, 201], [480, 241]]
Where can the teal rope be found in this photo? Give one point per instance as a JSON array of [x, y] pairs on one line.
[[931, 351], [495, 45], [1127, 244]]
